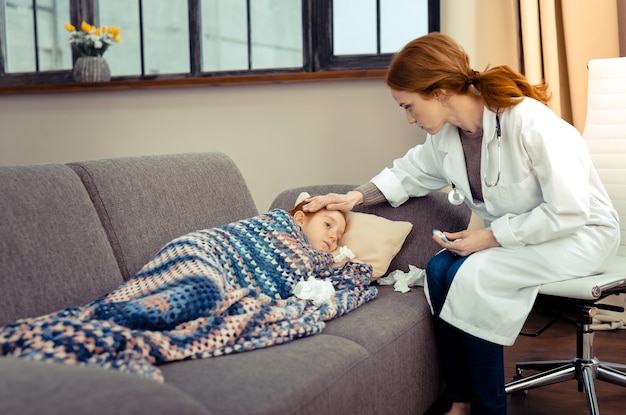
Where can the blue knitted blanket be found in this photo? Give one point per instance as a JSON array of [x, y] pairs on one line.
[[208, 293]]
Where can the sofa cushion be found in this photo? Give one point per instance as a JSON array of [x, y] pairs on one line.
[[29, 387], [315, 375], [425, 213], [55, 252], [144, 202], [396, 330]]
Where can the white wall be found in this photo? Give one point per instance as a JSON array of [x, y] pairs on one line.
[[280, 136]]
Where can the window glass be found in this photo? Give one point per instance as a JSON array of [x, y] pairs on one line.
[[224, 35], [350, 38], [54, 51], [355, 27], [276, 33], [166, 36], [124, 58], [400, 22], [51, 48], [19, 36]]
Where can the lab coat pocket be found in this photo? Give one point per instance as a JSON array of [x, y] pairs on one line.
[[513, 198]]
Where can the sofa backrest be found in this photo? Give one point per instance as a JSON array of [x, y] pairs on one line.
[[54, 252], [144, 202], [425, 213]]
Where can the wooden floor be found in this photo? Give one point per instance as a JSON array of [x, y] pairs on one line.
[[559, 343]]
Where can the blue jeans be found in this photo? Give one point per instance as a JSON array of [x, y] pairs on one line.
[[473, 368]]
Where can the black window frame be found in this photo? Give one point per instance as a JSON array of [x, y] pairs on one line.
[[318, 54], [326, 60]]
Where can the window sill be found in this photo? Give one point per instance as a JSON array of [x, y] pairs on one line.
[[117, 85]]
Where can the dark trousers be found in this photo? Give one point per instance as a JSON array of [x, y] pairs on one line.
[[473, 368]]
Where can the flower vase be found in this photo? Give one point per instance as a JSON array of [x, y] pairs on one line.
[[91, 69]]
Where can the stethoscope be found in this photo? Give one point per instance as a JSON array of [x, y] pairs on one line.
[[454, 197]]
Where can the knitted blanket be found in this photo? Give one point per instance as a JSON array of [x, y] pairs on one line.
[[208, 293]]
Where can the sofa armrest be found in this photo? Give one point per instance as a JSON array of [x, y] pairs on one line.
[[425, 213]]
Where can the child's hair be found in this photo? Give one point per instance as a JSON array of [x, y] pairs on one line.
[[298, 208]]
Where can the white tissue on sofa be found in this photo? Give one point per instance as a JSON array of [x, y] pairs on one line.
[[401, 280]]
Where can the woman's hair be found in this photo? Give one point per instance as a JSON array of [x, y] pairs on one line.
[[435, 61]]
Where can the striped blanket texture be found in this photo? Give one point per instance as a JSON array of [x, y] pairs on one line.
[[208, 293]]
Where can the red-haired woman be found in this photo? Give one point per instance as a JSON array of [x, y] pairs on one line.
[[526, 172]]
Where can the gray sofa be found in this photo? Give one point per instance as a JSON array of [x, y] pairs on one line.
[[70, 233]]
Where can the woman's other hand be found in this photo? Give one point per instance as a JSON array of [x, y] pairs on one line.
[[467, 242], [333, 201]]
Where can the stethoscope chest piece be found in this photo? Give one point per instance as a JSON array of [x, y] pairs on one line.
[[454, 197]]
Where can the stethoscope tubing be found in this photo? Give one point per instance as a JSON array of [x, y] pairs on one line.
[[454, 197], [499, 139]]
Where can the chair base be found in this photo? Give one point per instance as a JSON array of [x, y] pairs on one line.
[[585, 368]]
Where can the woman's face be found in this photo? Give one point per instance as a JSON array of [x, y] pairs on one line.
[[323, 229], [427, 113]]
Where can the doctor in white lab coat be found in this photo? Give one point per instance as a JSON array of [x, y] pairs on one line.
[[525, 172]]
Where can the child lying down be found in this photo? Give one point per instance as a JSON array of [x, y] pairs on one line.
[[208, 293]]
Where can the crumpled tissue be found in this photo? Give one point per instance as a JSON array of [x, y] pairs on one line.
[[401, 280], [319, 291], [344, 252]]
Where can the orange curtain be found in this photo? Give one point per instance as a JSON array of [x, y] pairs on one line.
[[559, 37]]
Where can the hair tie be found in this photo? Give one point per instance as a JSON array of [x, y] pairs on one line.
[[473, 78]]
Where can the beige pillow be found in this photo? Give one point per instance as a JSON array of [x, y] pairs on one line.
[[373, 239]]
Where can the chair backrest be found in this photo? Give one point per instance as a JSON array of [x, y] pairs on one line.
[[605, 130]]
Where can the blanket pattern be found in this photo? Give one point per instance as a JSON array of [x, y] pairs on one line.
[[208, 293]]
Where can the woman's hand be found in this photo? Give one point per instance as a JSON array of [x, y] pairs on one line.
[[467, 242], [333, 201]]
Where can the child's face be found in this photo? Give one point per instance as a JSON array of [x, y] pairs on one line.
[[323, 229]]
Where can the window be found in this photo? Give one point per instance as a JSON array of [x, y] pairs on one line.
[[172, 39], [33, 40]]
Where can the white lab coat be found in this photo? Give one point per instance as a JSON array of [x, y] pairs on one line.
[[549, 212]]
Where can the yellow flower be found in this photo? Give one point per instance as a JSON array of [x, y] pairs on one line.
[[85, 27], [91, 40]]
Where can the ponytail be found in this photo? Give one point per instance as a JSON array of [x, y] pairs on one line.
[[435, 61], [501, 87]]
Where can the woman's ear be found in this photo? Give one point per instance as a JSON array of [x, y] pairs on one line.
[[441, 94], [300, 217]]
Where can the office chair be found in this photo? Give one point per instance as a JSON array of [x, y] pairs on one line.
[[579, 299]]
